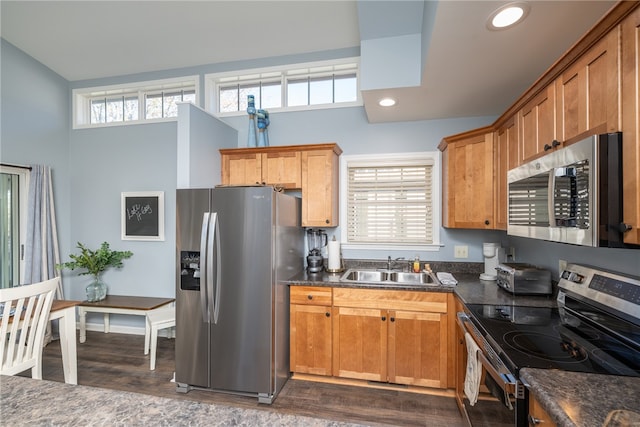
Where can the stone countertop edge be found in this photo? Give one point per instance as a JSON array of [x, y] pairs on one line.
[[470, 289], [28, 402], [577, 399]]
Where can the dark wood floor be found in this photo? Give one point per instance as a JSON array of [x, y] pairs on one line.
[[117, 362]]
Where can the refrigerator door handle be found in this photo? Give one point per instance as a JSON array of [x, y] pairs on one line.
[[204, 265], [214, 291]]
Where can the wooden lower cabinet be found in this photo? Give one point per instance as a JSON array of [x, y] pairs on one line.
[[310, 330], [391, 336], [537, 415], [417, 348], [360, 343]]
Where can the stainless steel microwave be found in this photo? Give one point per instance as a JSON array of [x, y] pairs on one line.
[[571, 195]]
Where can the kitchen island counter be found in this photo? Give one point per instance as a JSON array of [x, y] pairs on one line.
[[28, 402], [576, 399]]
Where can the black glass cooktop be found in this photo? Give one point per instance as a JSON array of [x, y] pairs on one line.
[[548, 339]]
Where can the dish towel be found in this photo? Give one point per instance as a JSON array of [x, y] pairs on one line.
[[446, 279], [474, 370]]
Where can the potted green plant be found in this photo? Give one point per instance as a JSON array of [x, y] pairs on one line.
[[95, 262]]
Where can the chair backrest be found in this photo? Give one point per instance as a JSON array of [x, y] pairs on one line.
[[25, 314]]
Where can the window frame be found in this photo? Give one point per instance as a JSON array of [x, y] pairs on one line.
[[255, 76], [82, 98], [392, 159], [24, 174]]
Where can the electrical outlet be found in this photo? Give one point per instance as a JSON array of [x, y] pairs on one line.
[[461, 251], [562, 264]]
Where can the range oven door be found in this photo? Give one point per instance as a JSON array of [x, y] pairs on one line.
[[511, 409]]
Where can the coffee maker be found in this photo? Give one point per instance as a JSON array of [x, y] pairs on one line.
[[316, 240], [493, 256]]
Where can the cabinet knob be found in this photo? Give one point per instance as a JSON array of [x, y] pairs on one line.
[[309, 296], [327, 314], [623, 227], [384, 318], [392, 319], [547, 147], [555, 143], [487, 222], [327, 221]]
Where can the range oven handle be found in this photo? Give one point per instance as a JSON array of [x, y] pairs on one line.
[[506, 381]]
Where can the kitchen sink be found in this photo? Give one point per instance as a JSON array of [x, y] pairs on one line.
[[389, 277]]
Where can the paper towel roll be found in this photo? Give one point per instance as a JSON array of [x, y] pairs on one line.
[[333, 249]]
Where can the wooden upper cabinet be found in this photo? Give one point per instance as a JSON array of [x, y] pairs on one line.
[[241, 168], [538, 125], [505, 158], [277, 166], [282, 169], [587, 92], [313, 168], [468, 180], [320, 186], [630, 70]]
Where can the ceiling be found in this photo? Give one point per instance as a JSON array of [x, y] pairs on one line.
[[462, 69]]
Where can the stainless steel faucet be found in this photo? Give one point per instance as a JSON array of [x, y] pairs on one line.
[[391, 262]]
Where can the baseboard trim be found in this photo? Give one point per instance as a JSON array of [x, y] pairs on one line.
[[370, 384]]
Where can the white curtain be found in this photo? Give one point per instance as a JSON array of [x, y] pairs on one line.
[[41, 247]]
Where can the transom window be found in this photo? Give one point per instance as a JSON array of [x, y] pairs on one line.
[[391, 202], [132, 103], [301, 86]]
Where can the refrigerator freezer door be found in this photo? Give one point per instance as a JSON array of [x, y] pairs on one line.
[[192, 332], [241, 341]]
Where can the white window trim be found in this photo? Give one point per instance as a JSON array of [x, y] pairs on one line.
[[81, 97], [24, 174], [211, 83], [383, 159]]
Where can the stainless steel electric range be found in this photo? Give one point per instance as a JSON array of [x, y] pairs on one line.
[[595, 328]]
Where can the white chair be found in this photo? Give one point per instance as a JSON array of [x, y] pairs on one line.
[[25, 315], [156, 320]]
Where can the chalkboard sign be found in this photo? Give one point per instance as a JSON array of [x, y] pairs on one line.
[[143, 215]]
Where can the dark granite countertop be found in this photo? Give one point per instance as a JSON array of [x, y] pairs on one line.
[[576, 399], [470, 288], [28, 402]]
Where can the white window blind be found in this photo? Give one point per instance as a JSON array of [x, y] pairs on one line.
[[390, 203]]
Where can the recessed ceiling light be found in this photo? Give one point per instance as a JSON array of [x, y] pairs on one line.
[[387, 102], [507, 16]]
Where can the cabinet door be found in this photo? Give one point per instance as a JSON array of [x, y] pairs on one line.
[[537, 415], [418, 348], [538, 125], [310, 339], [241, 169], [630, 125], [282, 169], [360, 343], [587, 92], [506, 157], [320, 188], [469, 191]]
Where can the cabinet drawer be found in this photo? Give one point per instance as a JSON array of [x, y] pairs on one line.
[[313, 295], [434, 302]]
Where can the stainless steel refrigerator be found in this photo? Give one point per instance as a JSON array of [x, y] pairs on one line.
[[234, 246]]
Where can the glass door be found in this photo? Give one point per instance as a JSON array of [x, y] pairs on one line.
[[13, 199]]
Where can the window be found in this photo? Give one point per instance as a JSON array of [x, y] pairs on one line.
[[132, 103], [14, 186], [391, 201], [301, 86]]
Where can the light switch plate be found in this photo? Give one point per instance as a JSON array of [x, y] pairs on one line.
[[461, 251]]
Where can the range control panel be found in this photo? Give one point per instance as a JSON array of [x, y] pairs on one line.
[[605, 288]]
